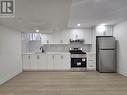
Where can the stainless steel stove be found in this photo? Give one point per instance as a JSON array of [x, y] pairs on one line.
[[78, 59]]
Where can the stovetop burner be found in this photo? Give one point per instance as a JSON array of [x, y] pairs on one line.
[[77, 52]]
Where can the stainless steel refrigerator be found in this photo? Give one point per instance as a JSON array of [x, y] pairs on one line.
[[105, 54]]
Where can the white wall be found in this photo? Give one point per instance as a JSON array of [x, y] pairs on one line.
[[10, 53], [120, 32]]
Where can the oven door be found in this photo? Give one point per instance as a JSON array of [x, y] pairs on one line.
[[78, 62]]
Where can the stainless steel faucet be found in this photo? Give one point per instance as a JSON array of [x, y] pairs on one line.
[[41, 48]]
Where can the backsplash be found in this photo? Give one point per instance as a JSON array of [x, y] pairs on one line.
[[65, 48], [34, 46]]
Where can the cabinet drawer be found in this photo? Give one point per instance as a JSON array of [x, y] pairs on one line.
[[91, 64]]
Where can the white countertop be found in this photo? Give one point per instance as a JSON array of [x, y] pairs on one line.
[[39, 53]]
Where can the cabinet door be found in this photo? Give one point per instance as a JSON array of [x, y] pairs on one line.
[[44, 39], [91, 60], [42, 62], [108, 32], [57, 38], [49, 39], [50, 61], [33, 61], [65, 37], [58, 61], [26, 62], [85, 34], [66, 63], [88, 37]]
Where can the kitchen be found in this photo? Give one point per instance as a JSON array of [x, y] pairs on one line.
[[56, 46]]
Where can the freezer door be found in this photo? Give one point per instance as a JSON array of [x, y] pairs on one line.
[[107, 61], [106, 43]]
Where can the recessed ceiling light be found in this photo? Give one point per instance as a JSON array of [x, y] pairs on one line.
[[37, 30], [78, 25], [103, 24]]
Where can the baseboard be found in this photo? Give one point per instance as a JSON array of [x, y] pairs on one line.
[[122, 73], [51, 70], [91, 68], [9, 77]]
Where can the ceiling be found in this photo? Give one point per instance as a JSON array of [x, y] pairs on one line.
[[45, 15], [50, 15], [94, 12]]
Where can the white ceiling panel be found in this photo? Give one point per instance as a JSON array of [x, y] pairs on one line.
[[49, 15], [41, 14], [93, 12]]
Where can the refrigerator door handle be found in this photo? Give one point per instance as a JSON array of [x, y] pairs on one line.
[[99, 65]]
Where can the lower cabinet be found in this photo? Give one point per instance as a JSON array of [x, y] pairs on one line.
[[42, 63], [91, 61], [33, 62], [50, 62], [46, 62], [26, 62], [61, 62], [30, 62], [66, 62]]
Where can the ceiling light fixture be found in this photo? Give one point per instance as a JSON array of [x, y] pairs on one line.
[[101, 28], [78, 25], [37, 30]]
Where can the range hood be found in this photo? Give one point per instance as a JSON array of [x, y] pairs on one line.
[[77, 40]]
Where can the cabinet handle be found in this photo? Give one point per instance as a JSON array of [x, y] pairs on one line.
[[61, 57], [38, 57], [53, 56], [47, 41], [61, 41], [29, 57]]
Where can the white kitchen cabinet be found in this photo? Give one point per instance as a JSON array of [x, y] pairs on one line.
[[88, 37], [91, 60], [50, 61], [29, 62], [62, 61], [66, 37], [66, 62], [57, 38], [50, 39], [46, 39], [85, 34], [107, 32], [42, 62], [58, 61], [61, 37], [33, 62], [46, 62], [26, 62]]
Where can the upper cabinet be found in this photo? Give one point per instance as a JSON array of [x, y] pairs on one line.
[[104, 31], [63, 37], [84, 34], [60, 37], [55, 38], [47, 39]]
